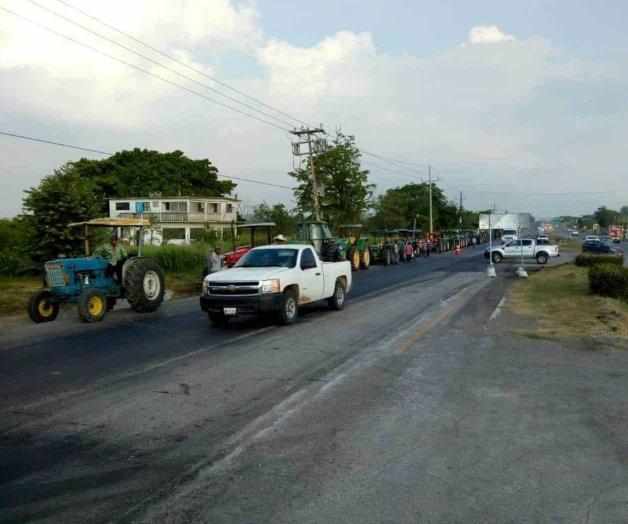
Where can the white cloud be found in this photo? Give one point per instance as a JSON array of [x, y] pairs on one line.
[[467, 104], [485, 34]]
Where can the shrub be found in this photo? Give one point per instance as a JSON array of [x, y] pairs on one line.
[[179, 259], [609, 280], [588, 260]]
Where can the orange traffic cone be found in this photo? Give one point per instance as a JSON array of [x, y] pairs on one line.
[[457, 250]]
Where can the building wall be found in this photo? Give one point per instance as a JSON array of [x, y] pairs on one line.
[[184, 214]]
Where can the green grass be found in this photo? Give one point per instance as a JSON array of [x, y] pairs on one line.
[[15, 293], [558, 298]]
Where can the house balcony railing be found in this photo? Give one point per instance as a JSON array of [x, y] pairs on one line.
[[173, 217]]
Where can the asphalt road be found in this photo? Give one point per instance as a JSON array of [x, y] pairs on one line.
[[416, 403]]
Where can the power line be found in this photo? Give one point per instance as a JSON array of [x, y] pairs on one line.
[[55, 143], [80, 148], [132, 66], [180, 62], [126, 48]]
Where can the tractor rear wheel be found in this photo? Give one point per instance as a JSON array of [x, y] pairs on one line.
[[355, 260], [92, 305], [365, 257], [144, 284], [40, 309]]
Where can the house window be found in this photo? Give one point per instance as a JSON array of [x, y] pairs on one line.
[[229, 208], [123, 206], [199, 207], [155, 205], [214, 208], [146, 207], [179, 207]]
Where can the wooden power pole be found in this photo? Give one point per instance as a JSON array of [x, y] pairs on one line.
[[312, 145]]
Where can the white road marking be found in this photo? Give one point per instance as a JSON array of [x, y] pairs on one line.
[[498, 310]]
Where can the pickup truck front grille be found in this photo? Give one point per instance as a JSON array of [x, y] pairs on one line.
[[233, 288]]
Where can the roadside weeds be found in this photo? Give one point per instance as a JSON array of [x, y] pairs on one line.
[[558, 299]]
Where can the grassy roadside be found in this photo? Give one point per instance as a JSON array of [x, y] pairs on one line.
[[558, 299], [15, 294], [17, 290]]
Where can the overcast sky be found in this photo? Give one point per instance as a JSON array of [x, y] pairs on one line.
[[501, 98]]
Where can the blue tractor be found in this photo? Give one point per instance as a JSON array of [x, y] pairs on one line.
[[93, 287]]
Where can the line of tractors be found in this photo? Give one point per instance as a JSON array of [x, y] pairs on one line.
[[383, 246]]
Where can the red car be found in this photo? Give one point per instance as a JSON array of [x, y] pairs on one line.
[[233, 256]]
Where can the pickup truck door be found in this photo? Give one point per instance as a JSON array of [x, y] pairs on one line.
[[512, 249], [528, 248], [312, 282]]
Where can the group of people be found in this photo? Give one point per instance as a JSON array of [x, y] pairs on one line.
[[416, 248]]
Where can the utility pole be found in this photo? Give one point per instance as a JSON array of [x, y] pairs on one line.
[[460, 218], [319, 145], [429, 174], [429, 178]]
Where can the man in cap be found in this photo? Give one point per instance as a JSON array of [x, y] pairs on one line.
[[279, 239], [115, 254], [215, 260]]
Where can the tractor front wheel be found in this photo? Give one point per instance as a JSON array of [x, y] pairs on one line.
[[92, 305], [144, 284], [355, 260], [40, 309], [365, 257]]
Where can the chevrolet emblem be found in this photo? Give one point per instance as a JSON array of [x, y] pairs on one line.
[[231, 289]]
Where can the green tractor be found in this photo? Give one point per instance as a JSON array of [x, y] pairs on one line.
[[318, 234], [383, 248], [355, 245]]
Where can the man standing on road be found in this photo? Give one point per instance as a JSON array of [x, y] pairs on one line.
[[428, 246], [473, 241], [215, 260], [113, 253], [409, 252]]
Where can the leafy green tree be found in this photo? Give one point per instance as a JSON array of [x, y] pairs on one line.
[[60, 199], [140, 171], [605, 217], [347, 193], [15, 234], [624, 211], [400, 206], [285, 219]]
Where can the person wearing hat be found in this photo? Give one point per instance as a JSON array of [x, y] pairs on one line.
[[279, 239], [115, 254]]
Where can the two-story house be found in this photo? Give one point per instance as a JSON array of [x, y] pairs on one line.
[[176, 220]]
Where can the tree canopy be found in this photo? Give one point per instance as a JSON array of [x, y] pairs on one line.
[[347, 193], [400, 206], [140, 171], [60, 199], [285, 219]]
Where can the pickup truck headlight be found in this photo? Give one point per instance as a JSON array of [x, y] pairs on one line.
[[270, 286], [205, 287]]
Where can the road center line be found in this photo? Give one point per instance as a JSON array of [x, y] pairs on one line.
[[498, 309]]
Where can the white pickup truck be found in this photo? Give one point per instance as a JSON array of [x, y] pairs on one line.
[[513, 250], [274, 279]]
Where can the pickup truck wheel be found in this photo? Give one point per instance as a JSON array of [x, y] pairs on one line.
[[541, 258], [289, 308], [337, 300], [217, 319], [497, 258]]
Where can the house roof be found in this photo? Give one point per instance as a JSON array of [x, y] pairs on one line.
[[112, 222], [174, 198]]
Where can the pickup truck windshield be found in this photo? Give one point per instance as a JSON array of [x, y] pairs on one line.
[[269, 258]]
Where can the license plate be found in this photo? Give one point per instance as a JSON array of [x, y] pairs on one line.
[[229, 310]]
